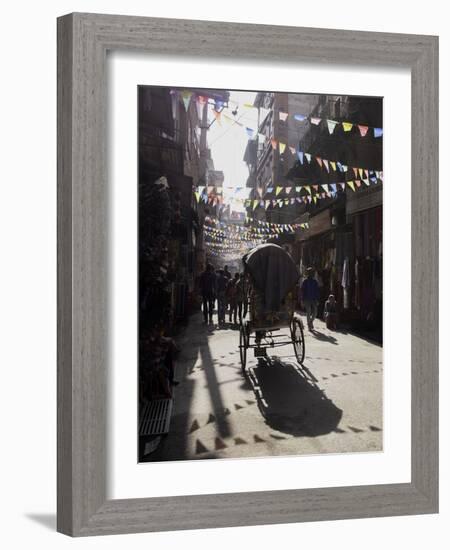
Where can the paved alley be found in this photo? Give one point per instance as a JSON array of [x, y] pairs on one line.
[[331, 404]]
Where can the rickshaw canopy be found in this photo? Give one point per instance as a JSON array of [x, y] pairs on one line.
[[273, 273]]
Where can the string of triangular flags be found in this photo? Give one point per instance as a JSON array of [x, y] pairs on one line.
[[252, 234], [326, 164], [313, 194], [304, 225], [331, 124], [249, 219]]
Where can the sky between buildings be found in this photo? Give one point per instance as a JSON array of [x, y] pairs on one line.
[[228, 141]]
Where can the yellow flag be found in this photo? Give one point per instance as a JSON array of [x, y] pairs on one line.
[[347, 126], [351, 185], [308, 189], [282, 147], [278, 191], [197, 196], [333, 165]]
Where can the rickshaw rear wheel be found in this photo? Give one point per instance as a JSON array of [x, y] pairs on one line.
[[243, 343], [298, 339]]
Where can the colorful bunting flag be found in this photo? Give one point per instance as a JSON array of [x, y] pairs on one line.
[[300, 156], [319, 161], [282, 147], [315, 120], [331, 125], [377, 132], [333, 165], [325, 162], [274, 143], [351, 185], [283, 116], [347, 126], [308, 157], [362, 129], [278, 191], [186, 95], [300, 118]]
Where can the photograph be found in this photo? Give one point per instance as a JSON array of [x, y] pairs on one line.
[[260, 273]]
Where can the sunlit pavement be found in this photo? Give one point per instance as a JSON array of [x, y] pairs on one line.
[[331, 405]]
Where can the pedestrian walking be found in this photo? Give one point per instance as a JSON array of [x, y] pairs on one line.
[[227, 274], [246, 290], [241, 298], [208, 290], [330, 312], [310, 296], [232, 297], [221, 285]]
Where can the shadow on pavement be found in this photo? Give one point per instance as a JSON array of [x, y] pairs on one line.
[[324, 337], [291, 401], [194, 345]]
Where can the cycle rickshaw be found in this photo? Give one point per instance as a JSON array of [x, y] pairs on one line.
[[271, 277]]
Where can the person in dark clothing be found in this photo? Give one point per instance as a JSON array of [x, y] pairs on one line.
[[330, 312], [310, 296], [226, 272], [221, 285], [240, 296], [208, 284], [232, 297]]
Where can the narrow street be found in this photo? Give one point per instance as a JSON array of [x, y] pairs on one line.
[[332, 404]]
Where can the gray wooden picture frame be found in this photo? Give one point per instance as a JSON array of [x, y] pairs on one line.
[[83, 41]]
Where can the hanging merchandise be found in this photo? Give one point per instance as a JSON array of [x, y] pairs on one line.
[[345, 282]]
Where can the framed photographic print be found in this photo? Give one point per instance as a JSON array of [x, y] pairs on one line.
[[247, 274]]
